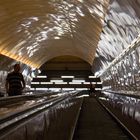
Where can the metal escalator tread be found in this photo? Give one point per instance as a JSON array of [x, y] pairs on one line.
[[96, 124]]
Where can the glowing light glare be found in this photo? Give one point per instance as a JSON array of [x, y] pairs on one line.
[[99, 13], [74, 83], [78, 81], [39, 71], [34, 82], [67, 76], [28, 86], [81, 1], [41, 100], [49, 83], [129, 74], [34, 18], [62, 83], [27, 23], [42, 89], [80, 12], [86, 83], [91, 76], [56, 37], [56, 89], [102, 98], [125, 76], [19, 58], [81, 88], [66, 89], [25, 72], [84, 95], [98, 89], [20, 53], [32, 88]]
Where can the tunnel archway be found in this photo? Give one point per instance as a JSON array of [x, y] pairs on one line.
[[65, 71], [66, 62]]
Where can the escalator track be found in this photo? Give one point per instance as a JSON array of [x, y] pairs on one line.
[[95, 123]]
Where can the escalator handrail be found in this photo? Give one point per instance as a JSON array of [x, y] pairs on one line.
[[10, 120]]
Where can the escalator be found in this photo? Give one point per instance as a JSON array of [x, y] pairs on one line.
[[69, 116], [95, 123], [37, 118]]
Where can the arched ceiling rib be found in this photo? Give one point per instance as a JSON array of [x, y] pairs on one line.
[[34, 31]]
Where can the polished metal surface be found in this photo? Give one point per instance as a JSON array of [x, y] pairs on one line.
[[121, 27], [48, 121], [125, 108], [123, 74], [121, 36]]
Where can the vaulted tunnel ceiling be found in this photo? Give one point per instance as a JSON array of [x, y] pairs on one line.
[[35, 31]]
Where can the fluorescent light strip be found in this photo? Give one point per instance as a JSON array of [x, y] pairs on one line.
[[91, 76], [78, 81], [98, 89], [81, 88], [86, 83], [56, 81], [93, 82], [68, 88], [61, 83], [67, 76], [41, 88], [41, 76], [34, 82], [46, 83], [32, 88], [74, 83]]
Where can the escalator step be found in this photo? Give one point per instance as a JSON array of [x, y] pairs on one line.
[[96, 124]]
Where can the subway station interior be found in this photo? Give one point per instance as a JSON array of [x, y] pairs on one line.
[[80, 60]]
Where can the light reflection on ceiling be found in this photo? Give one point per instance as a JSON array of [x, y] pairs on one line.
[[121, 27], [35, 31]]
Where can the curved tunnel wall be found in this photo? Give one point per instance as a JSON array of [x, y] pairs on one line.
[[123, 74], [121, 87], [121, 27]]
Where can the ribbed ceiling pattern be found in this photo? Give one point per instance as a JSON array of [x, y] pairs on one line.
[[35, 31]]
